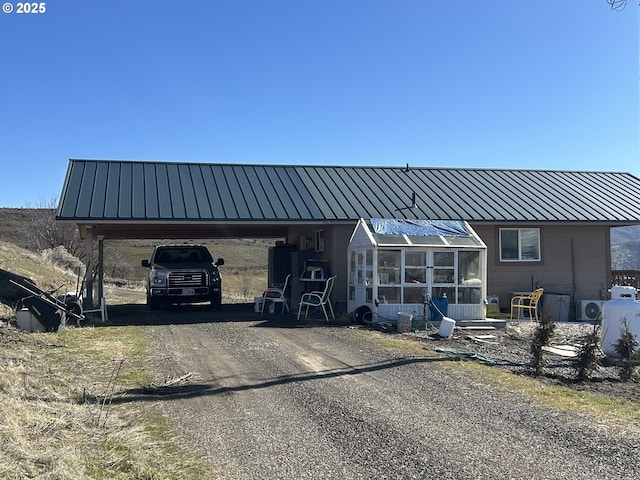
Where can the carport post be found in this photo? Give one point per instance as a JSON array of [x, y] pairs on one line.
[[88, 292], [101, 268], [88, 287]]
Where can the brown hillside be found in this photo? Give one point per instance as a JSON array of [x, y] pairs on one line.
[[12, 221]]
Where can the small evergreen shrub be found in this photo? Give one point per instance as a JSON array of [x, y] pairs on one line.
[[589, 355], [627, 349], [541, 338]]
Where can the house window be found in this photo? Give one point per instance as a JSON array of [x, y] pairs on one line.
[[519, 244], [319, 240]]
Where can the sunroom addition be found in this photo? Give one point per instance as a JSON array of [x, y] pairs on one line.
[[397, 265]]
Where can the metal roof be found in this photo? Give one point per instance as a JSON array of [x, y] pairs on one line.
[[136, 191]]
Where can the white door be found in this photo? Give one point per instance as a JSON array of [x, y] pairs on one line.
[[442, 278]]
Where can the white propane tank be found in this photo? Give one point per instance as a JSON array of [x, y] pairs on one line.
[[622, 306], [623, 291]]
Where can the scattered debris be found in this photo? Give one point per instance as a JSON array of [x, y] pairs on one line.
[[482, 338], [570, 351], [178, 380], [468, 355], [478, 327]]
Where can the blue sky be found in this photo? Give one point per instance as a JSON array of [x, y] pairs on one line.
[[493, 84]]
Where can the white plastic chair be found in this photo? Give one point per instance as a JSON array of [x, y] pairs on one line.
[[318, 299], [276, 295]]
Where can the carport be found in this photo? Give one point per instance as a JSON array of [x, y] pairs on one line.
[[113, 200], [119, 200], [94, 236]]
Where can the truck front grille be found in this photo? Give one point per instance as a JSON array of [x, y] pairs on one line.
[[188, 278]]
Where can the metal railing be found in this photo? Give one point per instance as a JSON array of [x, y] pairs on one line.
[[626, 277]]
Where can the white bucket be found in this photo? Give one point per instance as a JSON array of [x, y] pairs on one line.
[[257, 304], [446, 327], [25, 320], [403, 324]]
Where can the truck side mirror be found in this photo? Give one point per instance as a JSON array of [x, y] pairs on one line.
[[220, 261], [145, 263]]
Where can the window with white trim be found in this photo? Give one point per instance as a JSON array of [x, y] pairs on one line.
[[519, 244]]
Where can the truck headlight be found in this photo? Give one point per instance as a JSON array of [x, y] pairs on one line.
[[159, 278]]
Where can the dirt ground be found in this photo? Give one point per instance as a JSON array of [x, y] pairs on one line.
[[509, 349]]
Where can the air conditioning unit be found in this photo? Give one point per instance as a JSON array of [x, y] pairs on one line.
[[590, 310]]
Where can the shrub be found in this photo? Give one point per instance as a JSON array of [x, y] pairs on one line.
[[40, 230], [627, 349], [541, 337], [61, 257], [589, 355]]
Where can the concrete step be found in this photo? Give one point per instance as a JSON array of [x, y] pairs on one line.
[[487, 324]]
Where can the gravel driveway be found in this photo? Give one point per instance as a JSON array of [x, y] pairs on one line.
[[278, 399]]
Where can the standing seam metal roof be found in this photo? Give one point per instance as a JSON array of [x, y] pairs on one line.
[[103, 190]]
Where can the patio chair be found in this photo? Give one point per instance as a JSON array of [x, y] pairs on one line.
[[276, 295], [318, 299], [520, 303]]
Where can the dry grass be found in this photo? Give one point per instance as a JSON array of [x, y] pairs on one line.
[[56, 416], [32, 265], [57, 419]]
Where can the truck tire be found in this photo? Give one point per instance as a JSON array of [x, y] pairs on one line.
[[216, 301], [153, 303]]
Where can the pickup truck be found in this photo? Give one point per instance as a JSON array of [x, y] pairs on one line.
[[183, 274]]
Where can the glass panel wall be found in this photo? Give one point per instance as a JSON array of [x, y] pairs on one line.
[[415, 267], [389, 267], [469, 279], [444, 267], [368, 280]]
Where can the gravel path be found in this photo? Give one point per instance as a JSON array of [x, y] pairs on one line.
[[270, 400]]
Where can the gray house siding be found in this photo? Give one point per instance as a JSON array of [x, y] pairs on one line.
[[575, 260]]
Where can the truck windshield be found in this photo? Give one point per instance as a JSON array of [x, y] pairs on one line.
[[183, 255]]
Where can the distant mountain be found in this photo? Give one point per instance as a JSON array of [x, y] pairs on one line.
[[625, 248]]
